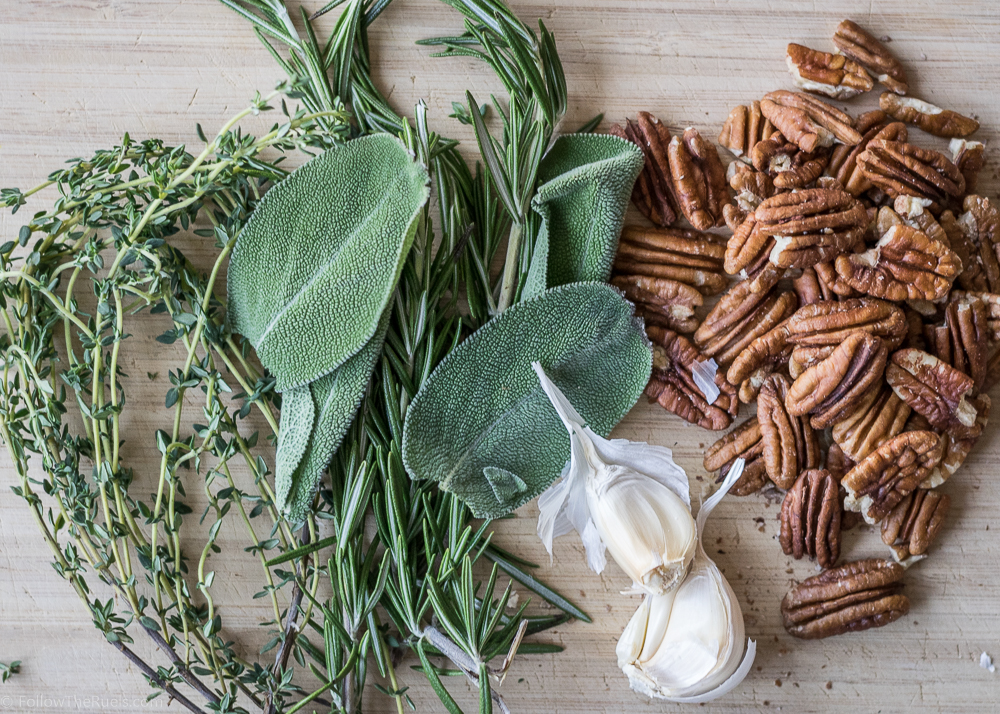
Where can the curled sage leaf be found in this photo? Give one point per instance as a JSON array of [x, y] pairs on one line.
[[482, 426], [316, 264]]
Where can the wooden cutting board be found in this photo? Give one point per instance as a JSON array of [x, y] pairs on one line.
[[76, 74]]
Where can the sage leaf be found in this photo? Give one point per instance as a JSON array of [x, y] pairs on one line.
[[298, 416], [482, 427], [334, 399], [536, 280], [316, 264], [585, 181]]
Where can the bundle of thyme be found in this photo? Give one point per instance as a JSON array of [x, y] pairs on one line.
[[83, 273]]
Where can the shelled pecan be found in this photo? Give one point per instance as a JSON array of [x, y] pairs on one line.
[[810, 226], [826, 273], [788, 165], [894, 470], [881, 416], [662, 302], [690, 257], [839, 465], [653, 191], [991, 301], [824, 73], [904, 265], [758, 360], [858, 45], [809, 288], [743, 442], [913, 212], [743, 317], [810, 518], [853, 597], [790, 444], [958, 448], [843, 164], [902, 169], [968, 156], [914, 524], [962, 341], [698, 179], [978, 245], [932, 119], [807, 121], [933, 388], [834, 387], [744, 128], [830, 322], [805, 356], [673, 388]]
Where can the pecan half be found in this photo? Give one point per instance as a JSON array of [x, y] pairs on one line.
[[767, 351], [904, 265], [790, 444], [699, 179], [744, 316], [826, 273], [991, 301], [962, 340], [853, 597], [653, 191], [824, 73], [689, 257], [913, 213], [833, 388], [805, 356], [978, 245], [810, 518], [843, 164], [894, 470], [914, 328], [933, 388], [743, 442], [660, 301], [968, 156], [673, 388], [934, 120], [839, 465], [809, 288], [854, 42], [902, 169], [881, 416], [744, 127], [830, 322], [808, 226], [808, 121], [790, 166], [914, 524], [956, 448]]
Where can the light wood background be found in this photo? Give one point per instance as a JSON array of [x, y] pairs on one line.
[[76, 74]]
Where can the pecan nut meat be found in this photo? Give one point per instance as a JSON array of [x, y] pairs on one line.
[[744, 128], [662, 302], [968, 156], [978, 244], [911, 211], [860, 46], [653, 191], [690, 257], [824, 73], [843, 164], [673, 388], [810, 226], [790, 444], [904, 265], [829, 322], [991, 301], [810, 518], [958, 448], [962, 341], [914, 524], [807, 121], [743, 442], [724, 336], [932, 119], [699, 179], [934, 389], [838, 464], [764, 353], [890, 473], [853, 597], [902, 169], [833, 388], [788, 165], [877, 419]]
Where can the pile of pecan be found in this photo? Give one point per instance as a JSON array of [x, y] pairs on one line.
[[858, 308]]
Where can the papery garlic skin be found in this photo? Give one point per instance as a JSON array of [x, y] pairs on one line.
[[627, 496], [687, 645]]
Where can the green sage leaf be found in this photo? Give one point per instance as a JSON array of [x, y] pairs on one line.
[[482, 426], [585, 181], [316, 264], [334, 400], [298, 417]]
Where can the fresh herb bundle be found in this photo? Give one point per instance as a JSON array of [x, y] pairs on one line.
[[411, 586]]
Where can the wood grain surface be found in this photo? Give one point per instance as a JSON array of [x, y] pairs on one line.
[[76, 74]]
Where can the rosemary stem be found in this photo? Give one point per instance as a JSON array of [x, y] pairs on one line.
[[510, 267]]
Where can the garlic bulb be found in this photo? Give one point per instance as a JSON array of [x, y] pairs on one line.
[[628, 497], [687, 645]]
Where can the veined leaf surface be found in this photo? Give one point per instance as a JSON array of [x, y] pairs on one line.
[[585, 182], [316, 264], [482, 426]]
